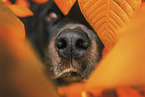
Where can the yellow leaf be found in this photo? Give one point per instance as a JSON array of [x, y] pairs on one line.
[[9, 23], [125, 63], [107, 16]]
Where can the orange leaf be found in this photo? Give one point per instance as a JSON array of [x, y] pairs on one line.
[[9, 23], [124, 65], [6, 1], [20, 11], [40, 1], [128, 92], [107, 16], [23, 3], [26, 75], [65, 5], [20, 8], [73, 90]]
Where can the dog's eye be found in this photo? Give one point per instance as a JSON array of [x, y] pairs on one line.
[[52, 16]]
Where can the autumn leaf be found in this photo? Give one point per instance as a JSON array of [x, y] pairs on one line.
[[21, 72], [20, 8], [9, 23], [20, 11], [124, 64], [40, 1], [129, 92], [107, 16], [65, 5], [73, 90]]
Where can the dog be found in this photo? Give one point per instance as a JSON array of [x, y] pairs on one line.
[[68, 45]]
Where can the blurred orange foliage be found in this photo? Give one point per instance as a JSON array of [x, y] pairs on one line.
[[9, 23], [121, 72], [21, 71], [40, 1], [20, 8]]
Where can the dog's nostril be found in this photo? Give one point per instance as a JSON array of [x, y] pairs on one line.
[[82, 44], [61, 44]]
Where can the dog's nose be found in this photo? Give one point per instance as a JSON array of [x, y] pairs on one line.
[[72, 44]]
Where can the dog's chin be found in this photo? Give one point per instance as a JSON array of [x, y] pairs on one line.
[[70, 76]]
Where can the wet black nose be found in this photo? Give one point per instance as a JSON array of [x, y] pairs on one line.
[[72, 44]]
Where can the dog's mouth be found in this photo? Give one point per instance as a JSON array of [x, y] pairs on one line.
[[70, 75]]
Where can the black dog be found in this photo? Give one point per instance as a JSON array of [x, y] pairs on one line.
[[68, 44]]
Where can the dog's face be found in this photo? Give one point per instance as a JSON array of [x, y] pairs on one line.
[[71, 48]]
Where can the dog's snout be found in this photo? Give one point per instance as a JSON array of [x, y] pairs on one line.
[[72, 44]]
